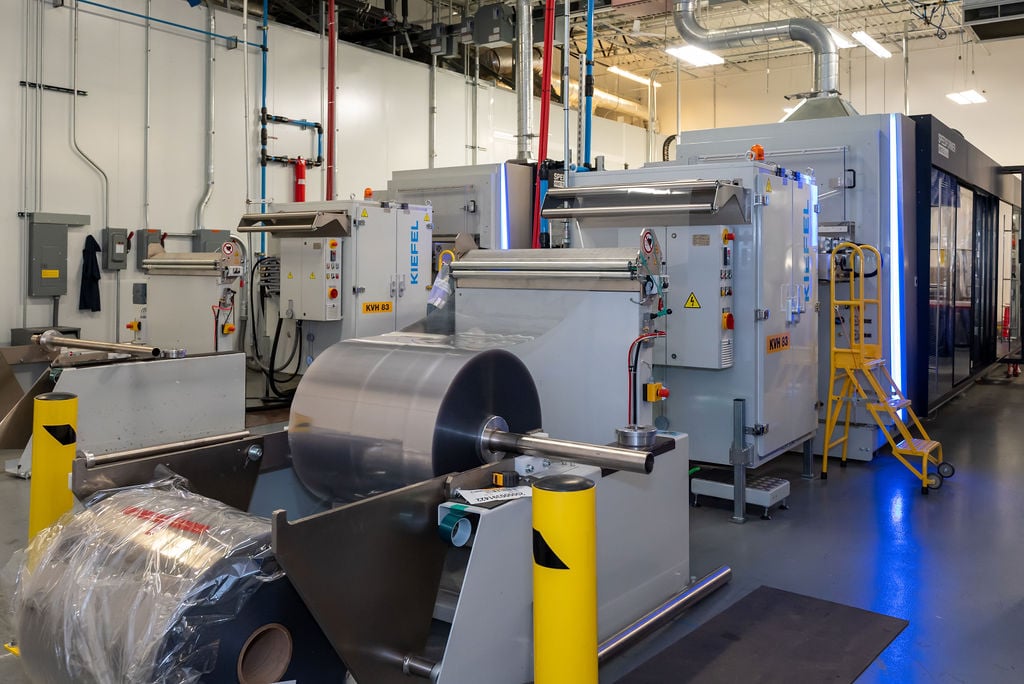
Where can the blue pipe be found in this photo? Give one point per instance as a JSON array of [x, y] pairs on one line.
[[588, 112], [263, 132], [183, 27]]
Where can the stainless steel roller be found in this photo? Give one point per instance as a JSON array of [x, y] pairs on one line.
[[376, 414]]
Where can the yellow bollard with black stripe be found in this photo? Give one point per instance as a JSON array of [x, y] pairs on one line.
[[564, 580], [54, 438]]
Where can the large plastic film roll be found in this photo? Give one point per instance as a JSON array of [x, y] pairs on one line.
[[156, 584], [376, 414]]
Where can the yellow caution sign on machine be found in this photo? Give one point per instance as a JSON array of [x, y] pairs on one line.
[[691, 302]]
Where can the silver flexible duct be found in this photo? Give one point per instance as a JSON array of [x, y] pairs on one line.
[[813, 33]]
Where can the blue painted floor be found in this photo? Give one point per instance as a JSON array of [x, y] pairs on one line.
[[952, 562]]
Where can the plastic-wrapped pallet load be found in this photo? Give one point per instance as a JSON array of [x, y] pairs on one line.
[[157, 584]]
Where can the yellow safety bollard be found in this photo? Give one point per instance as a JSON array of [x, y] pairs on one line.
[[54, 438], [564, 580]]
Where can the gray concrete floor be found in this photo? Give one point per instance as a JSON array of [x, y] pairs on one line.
[[950, 563]]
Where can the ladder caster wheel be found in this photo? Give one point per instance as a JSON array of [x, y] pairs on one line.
[[924, 490], [934, 480], [842, 464], [946, 469], [824, 476]]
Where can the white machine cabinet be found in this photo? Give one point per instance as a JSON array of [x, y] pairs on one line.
[[740, 248], [382, 278]]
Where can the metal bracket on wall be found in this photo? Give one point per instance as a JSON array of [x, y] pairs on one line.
[[52, 88]]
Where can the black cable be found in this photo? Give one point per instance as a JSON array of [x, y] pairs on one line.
[[272, 372]]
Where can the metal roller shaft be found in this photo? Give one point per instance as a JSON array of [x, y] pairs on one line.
[[51, 341], [615, 458]]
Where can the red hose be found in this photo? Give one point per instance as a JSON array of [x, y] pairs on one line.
[[545, 112], [332, 52]]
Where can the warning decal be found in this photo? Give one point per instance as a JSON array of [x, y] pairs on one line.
[[376, 307], [691, 302], [364, 214], [777, 343]]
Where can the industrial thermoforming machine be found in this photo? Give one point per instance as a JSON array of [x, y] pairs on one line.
[[417, 564], [741, 346]]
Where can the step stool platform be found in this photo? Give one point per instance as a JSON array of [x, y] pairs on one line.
[[762, 490]]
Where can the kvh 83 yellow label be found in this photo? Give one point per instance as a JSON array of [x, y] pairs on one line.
[[377, 307], [777, 343]]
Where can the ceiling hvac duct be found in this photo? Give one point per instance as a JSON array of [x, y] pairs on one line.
[[812, 33]]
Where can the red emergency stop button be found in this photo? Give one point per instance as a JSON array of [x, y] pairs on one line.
[[332, 293], [663, 393], [728, 322], [333, 244]]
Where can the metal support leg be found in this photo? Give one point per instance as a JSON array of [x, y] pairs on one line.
[[739, 456], [808, 473]]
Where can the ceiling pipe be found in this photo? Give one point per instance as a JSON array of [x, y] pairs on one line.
[[812, 33], [524, 79]]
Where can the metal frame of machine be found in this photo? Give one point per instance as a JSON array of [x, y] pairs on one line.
[[738, 248]]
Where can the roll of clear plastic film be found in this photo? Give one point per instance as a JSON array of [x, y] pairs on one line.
[[157, 584], [377, 414]]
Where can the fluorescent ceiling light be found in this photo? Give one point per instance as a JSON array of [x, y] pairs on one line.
[[842, 42], [695, 56], [631, 76], [967, 97], [871, 44]]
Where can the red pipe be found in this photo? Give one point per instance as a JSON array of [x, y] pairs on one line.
[[332, 53], [545, 112]]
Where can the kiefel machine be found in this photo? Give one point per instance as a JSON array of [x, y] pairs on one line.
[[420, 567]]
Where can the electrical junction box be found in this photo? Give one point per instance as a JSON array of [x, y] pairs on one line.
[[48, 252], [703, 318], [494, 26], [143, 239], [311, 278], [206, 240], [114, 242]]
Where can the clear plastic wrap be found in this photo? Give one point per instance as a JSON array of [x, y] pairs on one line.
[[157, 584]]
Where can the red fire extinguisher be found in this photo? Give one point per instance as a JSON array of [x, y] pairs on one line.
[[300, 180]]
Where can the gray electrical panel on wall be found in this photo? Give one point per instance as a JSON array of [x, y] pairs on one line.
[[48, 252], [115, 248]]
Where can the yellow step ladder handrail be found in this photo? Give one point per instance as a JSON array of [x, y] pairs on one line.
[[884, 399]]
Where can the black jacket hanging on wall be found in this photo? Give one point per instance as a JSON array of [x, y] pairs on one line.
[[89, 297]]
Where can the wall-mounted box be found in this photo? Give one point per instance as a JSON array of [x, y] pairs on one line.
[[114, 242], [48, 252]]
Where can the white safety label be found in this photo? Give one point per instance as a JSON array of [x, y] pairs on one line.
[[479, 496]]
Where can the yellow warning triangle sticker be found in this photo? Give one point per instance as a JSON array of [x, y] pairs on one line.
[[312, 276], [365, 214], [290, 276], [768, 186], [426, 218], [691, 302]]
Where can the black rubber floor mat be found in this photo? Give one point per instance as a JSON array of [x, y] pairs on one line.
[[770, 636]]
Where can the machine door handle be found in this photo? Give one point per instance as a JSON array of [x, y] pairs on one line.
[[401, 285], [851, 179], [393, 286]]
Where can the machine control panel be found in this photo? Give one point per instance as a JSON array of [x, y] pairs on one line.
[[311, 277], [701, 332]]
